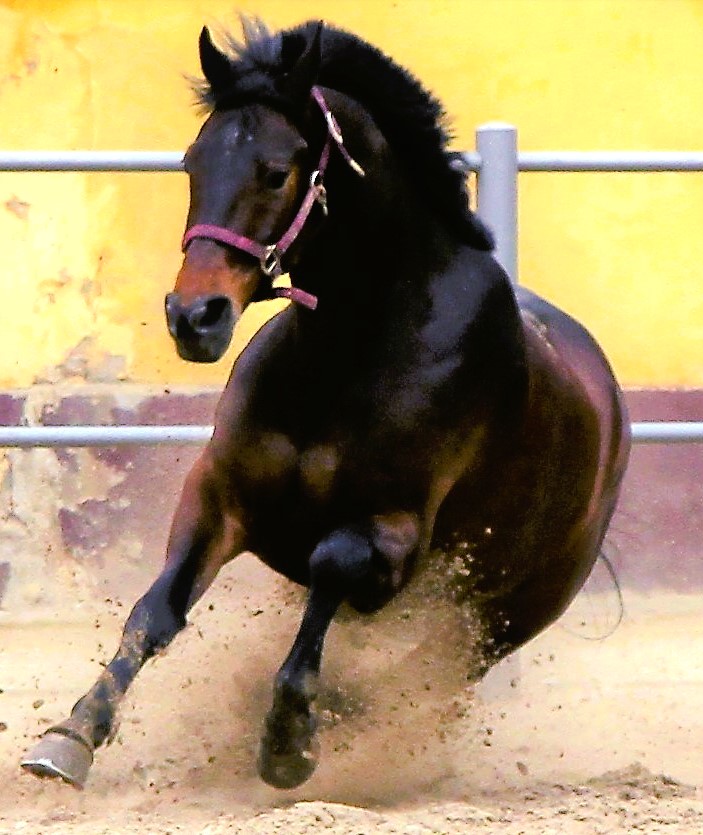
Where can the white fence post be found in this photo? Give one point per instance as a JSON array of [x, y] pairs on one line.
[[496, 143]]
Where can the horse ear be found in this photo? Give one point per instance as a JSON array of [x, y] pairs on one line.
[[215, 65], [301, 52]]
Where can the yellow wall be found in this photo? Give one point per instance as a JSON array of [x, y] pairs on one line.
[[86, 259]]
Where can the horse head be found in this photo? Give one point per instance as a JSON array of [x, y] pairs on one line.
[[251, 176]]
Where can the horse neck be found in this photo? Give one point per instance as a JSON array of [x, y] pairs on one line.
[[371, 279], [374, 257]]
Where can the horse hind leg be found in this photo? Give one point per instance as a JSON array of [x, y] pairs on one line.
[[202, 539], [512, 620]]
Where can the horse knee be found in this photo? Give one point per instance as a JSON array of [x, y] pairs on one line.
[[155, 620], [342, 561]]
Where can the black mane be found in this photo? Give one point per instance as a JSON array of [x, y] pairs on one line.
[[412, 120]]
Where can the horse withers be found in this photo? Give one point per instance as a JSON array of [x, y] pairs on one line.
[[407, 406]]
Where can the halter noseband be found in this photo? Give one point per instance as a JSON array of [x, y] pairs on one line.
[[270, 255]]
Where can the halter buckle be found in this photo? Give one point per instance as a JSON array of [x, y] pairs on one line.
[[271, 262], [318, 187]]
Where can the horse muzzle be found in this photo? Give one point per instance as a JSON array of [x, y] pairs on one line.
[[201, 329]]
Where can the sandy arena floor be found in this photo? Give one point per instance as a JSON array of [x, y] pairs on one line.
[[579, 736]]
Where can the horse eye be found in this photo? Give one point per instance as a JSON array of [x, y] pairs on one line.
[[276, 178]]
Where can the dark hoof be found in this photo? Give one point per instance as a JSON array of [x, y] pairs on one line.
[[57, 755], [286, 771]]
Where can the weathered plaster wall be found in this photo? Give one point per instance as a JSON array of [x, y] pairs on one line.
[[89, 522], [85, 259]]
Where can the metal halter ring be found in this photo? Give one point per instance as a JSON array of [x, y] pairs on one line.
[[271, 261], [320, 190]]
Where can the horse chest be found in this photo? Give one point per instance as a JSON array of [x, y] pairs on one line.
[[309, 442], [272, 471], [318, 467], [272, 467]]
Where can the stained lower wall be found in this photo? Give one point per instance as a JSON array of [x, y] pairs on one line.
[[82, 523], [655, 537]]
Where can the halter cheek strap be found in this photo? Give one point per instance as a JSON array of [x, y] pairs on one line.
[[270, 255]]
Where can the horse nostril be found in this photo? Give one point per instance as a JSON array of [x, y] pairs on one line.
[[201, 329], [209, 313]]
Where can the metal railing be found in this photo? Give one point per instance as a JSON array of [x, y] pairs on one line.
[[647, 432], [91, 161], [496, 162]]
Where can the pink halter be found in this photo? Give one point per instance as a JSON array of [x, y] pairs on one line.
[[270, 255]]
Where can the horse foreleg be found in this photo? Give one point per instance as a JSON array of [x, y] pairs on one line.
[[203, 537], [288, 755]]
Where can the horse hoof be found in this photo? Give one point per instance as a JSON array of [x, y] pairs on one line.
[[56, 755], [287, 771]]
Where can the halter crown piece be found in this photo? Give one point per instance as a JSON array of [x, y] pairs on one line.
[[270, 255]]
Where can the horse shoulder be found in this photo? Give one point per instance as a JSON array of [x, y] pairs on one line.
[[246, 442]]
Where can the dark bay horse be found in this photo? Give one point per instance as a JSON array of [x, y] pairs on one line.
[[408, 403]]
